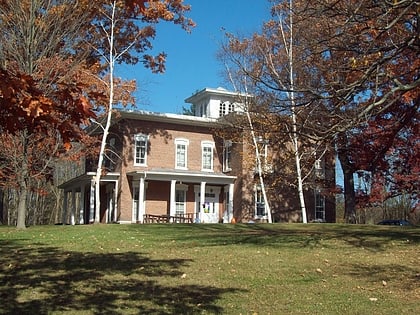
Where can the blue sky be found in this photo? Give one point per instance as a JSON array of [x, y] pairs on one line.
[[191, 62]]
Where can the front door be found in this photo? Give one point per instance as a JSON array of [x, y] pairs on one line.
[[209, 211]]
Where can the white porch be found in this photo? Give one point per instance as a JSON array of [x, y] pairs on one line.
[[207, 189]]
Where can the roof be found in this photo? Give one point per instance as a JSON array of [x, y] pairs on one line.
[[210, 91], [184, 175], [165, 117], [188, 120]]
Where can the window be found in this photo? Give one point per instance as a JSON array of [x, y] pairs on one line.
[[231, 107], [140, 149], [319, 168], [203, 110], [180, 202], [136, 203], [259, 202], [319, 205], [207, 156], [111, 157], [227, 155], [262, 145], [222, 109], [181, 147]]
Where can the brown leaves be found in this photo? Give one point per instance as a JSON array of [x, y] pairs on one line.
[[136, 6], [156, 64], [25, 107], [168, 10]]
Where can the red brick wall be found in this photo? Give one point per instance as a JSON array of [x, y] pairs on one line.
[[161, 150], [161, 154]]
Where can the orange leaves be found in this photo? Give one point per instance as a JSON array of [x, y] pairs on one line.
[[34, 107], [136, 5], [158, 10], [23, 106], [167, 10], [156, 64]]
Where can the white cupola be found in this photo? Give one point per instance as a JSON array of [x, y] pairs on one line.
[[215, 103]]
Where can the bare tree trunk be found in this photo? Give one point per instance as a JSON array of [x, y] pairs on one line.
[[257, 153], [2, 214], [259, 165], [349, 194], [295, 138], [23, 178], [111, 62], [21, 209]]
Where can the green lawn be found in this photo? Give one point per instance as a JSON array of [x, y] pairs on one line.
[[210, 269]]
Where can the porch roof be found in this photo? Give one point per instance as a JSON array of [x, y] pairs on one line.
[[86, 178], [184, 176]]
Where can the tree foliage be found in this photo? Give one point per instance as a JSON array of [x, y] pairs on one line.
[[53, 69], [356, 66]]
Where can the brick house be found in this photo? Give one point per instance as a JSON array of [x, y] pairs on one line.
[[162, 167]]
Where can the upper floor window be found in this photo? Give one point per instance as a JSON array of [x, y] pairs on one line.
[[231, 107], [111, 155], [207, 156], [227, 155], [140, 149], [319, 168], [222, 109], [202, 110], [263, 159], [181, 152]]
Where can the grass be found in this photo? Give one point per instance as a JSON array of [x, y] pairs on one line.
[[210, 269]]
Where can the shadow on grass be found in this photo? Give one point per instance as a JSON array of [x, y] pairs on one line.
[[396, 276], [297, 236], [35, 279]]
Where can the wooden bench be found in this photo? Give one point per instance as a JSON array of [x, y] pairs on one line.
[[164, 218]]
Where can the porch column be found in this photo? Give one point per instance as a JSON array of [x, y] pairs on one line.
[[73, 207], [141, 210], [65, 205], [202, 198], [172, 201], [115, 201], [230, 203], [82, 205], [92, 202]]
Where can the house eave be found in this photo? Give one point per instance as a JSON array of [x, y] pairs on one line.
[[167, 118], [86, 178], [196, 97]]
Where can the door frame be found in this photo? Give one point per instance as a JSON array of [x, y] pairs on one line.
[[201, 215]]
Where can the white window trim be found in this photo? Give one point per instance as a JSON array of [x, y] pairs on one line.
[[227, 145], [258, 192], [319, 204], [182, 188], [207, 144], [135, 151], [186, 143], [222, 109]]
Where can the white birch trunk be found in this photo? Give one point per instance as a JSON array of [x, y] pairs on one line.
[[257, 153], [259, 166], [295, 138], [111, 63]]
